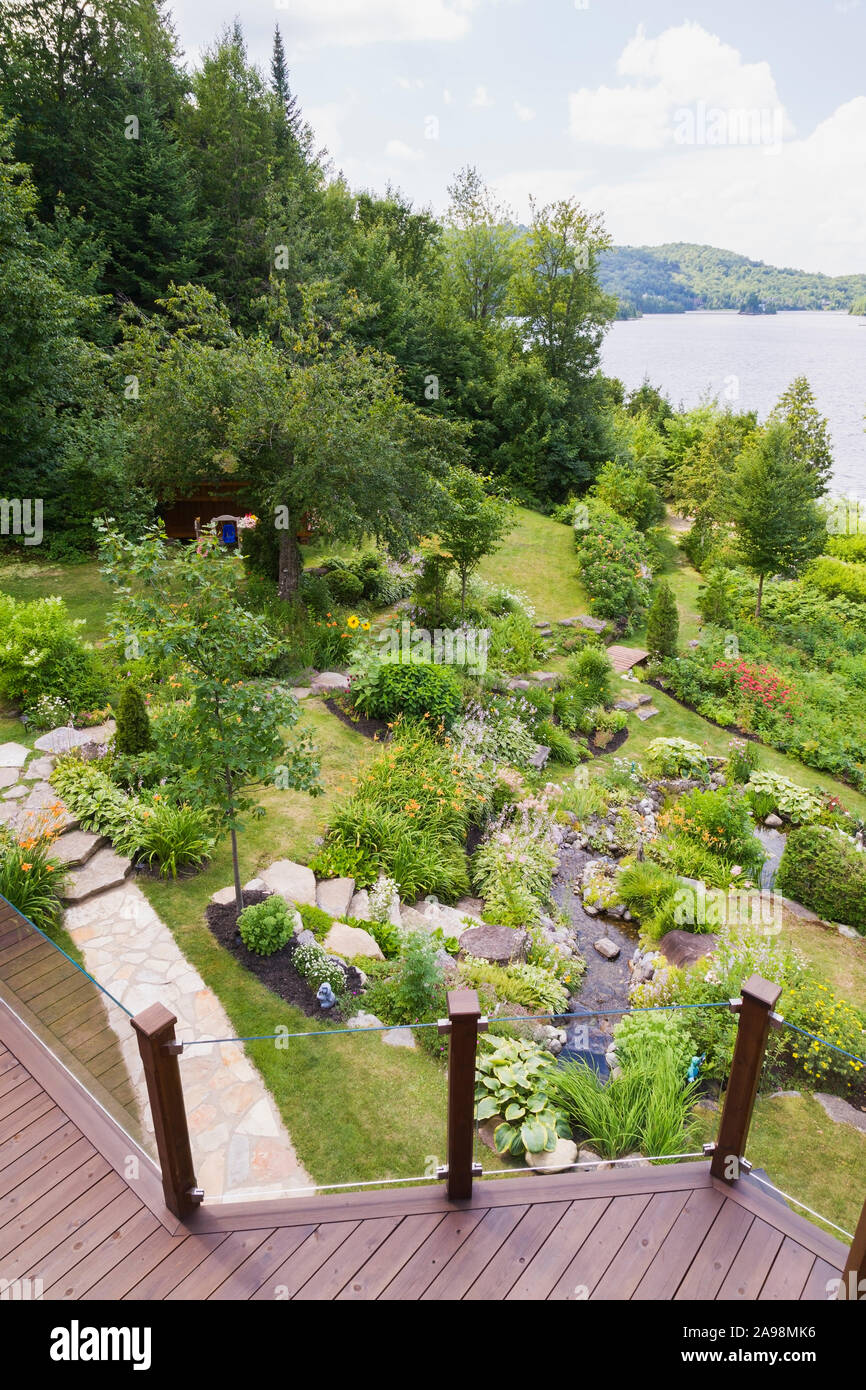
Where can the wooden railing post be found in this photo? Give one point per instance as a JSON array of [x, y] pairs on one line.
[[755, 1009], [463, 1025], [854, 1277], [159, 1052]]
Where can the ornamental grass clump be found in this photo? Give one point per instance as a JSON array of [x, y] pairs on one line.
[[513, 867]]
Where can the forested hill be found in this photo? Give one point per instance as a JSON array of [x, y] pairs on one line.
[[680, 276]]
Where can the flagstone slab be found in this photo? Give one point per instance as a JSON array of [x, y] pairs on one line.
[[8, 776], [77, 846], [13, 755], [240, 1145], [106, 869], [15, 793], [39, 770]]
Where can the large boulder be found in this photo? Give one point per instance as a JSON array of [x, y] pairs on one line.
[[359, 907], [294, 882], [329, 681], [496, 944], [556, 1161], [333, 895], [684, 947], [348, 942]]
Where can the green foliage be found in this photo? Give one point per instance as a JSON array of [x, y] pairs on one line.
[[265, 927], [175, 836], [640, 1039], [133, 735], [419, 982], [646, 1108], [473, 524], [417, 691], [41, 653], [90, 795], [720, 822], [511, 1080], [563, 749], [677, 757], [742, 761], [627, 490], [663, 623], [513, 866], [515, 645], [315, 920], [808, 432], [32, 881], [795, 803], [838, 578], [716, 598], [648, 890], [531, 986], [614, 565], [822, 869]]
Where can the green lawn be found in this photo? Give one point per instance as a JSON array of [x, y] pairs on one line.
[[538, 558], [82, 588], [806, 1154]]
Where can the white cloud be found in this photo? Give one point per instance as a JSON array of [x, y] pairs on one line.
[[523, 113], [326, 121], [447, 97], [398, 149], [685, 69], [349, 23], [481, 97]]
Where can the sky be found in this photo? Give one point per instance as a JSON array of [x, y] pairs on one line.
[[740, 125]]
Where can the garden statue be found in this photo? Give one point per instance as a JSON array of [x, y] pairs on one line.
[[694, 1067], [326, 996]]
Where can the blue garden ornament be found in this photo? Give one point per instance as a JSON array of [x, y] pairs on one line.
[[695, 1066], [230, 533], [326, 996]]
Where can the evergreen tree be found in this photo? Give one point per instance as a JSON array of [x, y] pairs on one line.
[[809, 431], [143, 198], [779, 526], [663, 623], [133, 735], [293, 121]]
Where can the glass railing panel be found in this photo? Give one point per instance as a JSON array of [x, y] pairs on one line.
[[81, 1023]]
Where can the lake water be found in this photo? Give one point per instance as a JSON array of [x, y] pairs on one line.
[[749, 361]]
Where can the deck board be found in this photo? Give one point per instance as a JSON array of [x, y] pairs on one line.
[[69, 1217]]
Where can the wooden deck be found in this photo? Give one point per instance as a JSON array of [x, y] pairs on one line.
[[70, 1218]]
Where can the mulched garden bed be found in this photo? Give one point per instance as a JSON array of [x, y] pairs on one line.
[[615, 743], [276, 971], [370, 728]]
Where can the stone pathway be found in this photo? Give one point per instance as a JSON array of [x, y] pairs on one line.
[[241, 1148]]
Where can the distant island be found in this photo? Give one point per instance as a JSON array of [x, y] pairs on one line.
[[681, 276]]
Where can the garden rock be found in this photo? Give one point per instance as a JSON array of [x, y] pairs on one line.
[[359, 907], [13, 755], [362, 1020], [106, 869], [39, 770], [413, 920], [540, 756], [223, 896], [15, 793], [636, 1160], [556, 1161], [472, 907], [399, 1037], [255, 885], [78, 846], [850, 932], [773, 822], [544, 677], [647, 712], [343, 940], [333, 895], [596, 625], [590, 1156], [294, 882], [8, 776], [305, 937], [606, 948], [329, 680], [499, 945], [627, 705], [301, 692], [517, 683], [644, 699], [487, 1130], [840, 1111], [684, 947], [62, 739]]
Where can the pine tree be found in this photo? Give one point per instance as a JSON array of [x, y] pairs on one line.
[[289, 105], [663, 623], [143, 199], [133, 734], [809, 431]]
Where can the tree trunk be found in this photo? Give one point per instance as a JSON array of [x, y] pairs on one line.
[[760, 593], [239, 896], [463, 578], [290, 563]]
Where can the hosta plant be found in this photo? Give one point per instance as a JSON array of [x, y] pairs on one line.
[[511, 1081]]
